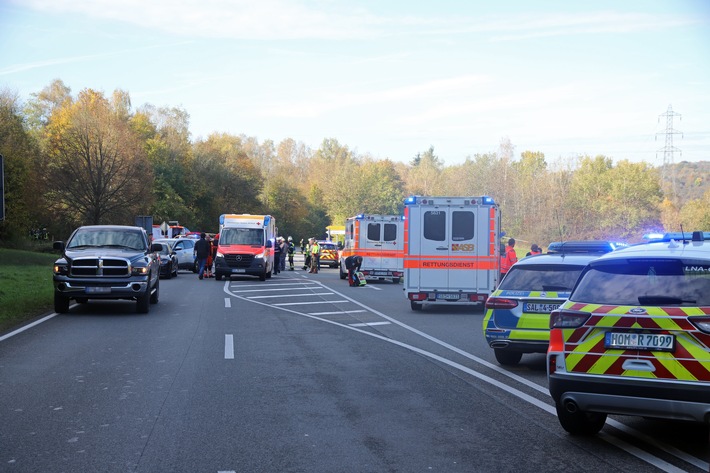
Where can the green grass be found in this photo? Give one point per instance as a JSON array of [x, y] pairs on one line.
[[25, 286]]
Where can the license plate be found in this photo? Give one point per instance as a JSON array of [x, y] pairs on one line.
[[448, 297], [381, 273], [539, 308], [98, 290], [639, 341], [239, 270]]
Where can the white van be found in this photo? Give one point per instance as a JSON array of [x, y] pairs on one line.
[[451, 250], [379, 239]]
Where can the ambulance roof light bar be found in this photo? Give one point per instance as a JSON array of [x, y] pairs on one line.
[[416, 199]]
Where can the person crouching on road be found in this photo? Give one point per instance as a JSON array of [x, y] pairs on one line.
[[201, 252], [353, 264]]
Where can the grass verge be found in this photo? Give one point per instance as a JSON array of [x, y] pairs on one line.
[[26, 289]]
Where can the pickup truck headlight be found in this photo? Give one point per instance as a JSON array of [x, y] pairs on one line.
[[139, 270], [61, 269]]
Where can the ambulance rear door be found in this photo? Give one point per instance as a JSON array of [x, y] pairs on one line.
[[382, 242], [453, 243]]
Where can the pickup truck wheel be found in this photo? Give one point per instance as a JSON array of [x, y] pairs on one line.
[[143, 303], [61, 303], [580, 422], [155, 296], [416, 305]]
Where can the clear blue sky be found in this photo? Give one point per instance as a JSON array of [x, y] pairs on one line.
[[388, 78]]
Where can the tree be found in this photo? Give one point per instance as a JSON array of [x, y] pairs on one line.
[[22, 189], [635, 195], [224, 180], [97, 169], [695, 214], [43, 104], [424, 173]]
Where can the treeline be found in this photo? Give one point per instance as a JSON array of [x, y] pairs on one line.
[[91, 158]]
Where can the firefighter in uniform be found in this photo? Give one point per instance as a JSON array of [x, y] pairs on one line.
[[290, 250]]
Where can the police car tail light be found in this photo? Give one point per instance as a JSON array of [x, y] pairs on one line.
[[703, 323], [501, 303], [567, 319]]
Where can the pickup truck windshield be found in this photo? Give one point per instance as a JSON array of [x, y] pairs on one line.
[[107, 238]]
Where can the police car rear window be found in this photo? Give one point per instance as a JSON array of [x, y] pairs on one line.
[[548, 278], [646, 283]]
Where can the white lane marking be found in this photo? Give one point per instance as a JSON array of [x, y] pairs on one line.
[[369, 324], [272, 284], [227, 302], [292, 295], [229, 346], [370, 286], [303, 286], [28, 326], [338, 312], [659, 463], [295, 303]]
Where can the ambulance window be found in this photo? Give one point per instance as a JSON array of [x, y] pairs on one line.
[[373, 231], [390, 232], [435, 225], [462, 226]]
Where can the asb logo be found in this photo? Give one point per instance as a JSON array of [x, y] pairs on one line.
[[462, 247]]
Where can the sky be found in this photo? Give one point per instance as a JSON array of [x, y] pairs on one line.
[[389, 79]]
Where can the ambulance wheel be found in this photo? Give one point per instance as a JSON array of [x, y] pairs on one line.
[[262, 276], [578, 422], [218, 276], [508, 357], [395, 280], [416, 305], [342, 274]]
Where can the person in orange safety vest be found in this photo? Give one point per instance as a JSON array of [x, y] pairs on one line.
[[509, 258]]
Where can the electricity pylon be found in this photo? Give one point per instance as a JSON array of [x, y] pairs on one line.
[[668, 169]]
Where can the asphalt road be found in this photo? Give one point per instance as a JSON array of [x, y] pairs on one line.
[[299, 373]]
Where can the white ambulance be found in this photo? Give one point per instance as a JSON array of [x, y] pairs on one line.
[[451, 250], [379, 239], [246, 246]]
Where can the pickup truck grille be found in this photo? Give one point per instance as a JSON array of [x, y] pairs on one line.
[[91, 267], [239, 261]]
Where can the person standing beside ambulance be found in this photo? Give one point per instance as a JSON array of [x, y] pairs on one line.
[[508, 259]]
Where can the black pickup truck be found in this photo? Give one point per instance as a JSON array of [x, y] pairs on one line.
[[107, 262]]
